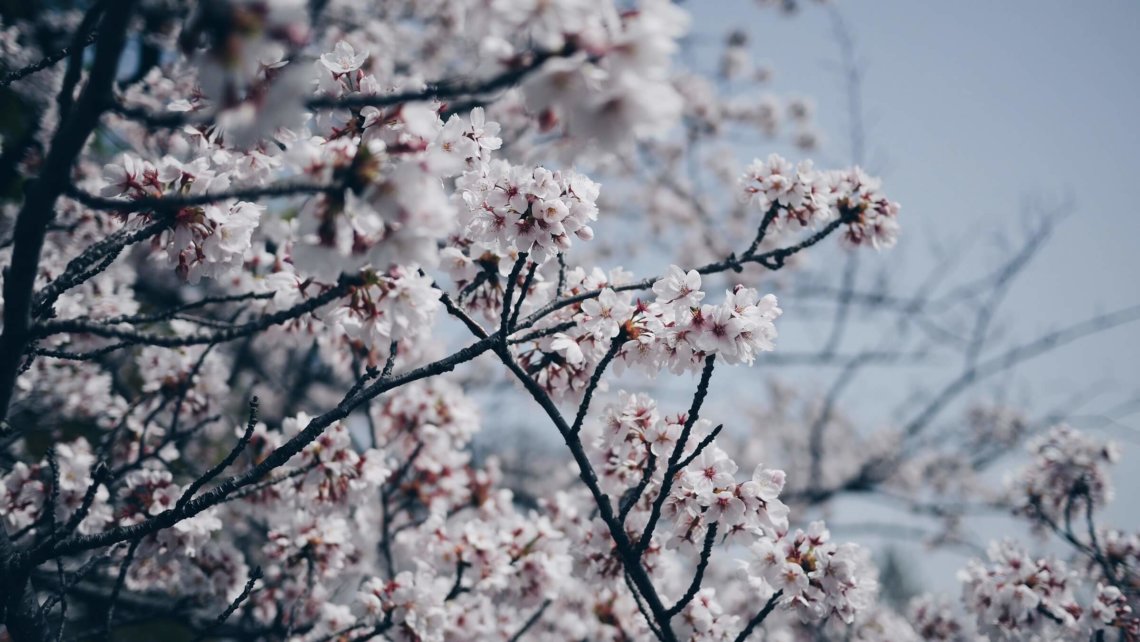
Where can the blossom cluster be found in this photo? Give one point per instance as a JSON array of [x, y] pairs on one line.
[[708, 493], [1015, 595], [512, 209], [616, 89], [315, 506], [393, 306], [1121, 549], [817, 577], [686, 329], [805, 197], [394, 209], [677, 331], [210, 240], [413, 600], [704, 492], [935, 618], [430, 426], [25, 492], [1067, 476]]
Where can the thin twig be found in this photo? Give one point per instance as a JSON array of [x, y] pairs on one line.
[[120, 581], [758, 619], [230, 458], [672, 467], [254, 575], [698, 577], [530, 622]]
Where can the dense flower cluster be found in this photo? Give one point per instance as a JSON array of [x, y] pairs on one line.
[[389, 307], [429, 426], [675, 332], [817, 577], [1017, 595], [736, 330], [616, 89], [518, 209], [211, 240], [800, 195], [26, 489], [935, 618], [1121, 549], [413, 601], [703, 493], [1067, 476]]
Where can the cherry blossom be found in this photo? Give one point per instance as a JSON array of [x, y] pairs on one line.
[[343, 59], [267, 289]]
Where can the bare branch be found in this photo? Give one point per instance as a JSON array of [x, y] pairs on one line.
[[759, 618]]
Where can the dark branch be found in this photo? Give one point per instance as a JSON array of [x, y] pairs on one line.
[[759, 618], [695, 585], [673, 465]]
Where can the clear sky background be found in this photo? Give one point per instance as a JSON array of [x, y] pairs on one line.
[[975, 107]]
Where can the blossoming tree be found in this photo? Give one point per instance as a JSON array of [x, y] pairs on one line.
[[246, 241]]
